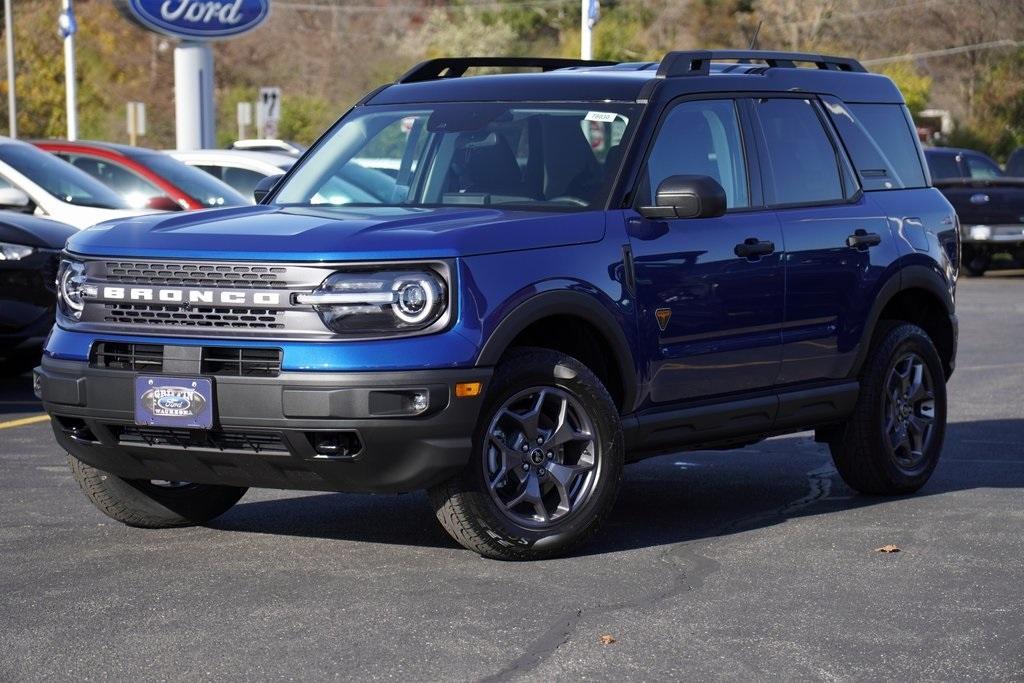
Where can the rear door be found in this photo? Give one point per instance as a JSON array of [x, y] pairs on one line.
[[709, 317], [837, 242]]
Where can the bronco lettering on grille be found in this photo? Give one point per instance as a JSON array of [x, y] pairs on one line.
[[192, 296]]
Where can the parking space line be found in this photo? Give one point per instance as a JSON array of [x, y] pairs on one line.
[[24, 421]]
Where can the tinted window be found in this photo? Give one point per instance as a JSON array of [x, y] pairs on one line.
[[699, 138], [981, 167], [201, 186], [801, 158], [59, 178], [242, 179], [136, 190], [942, 165], [890, 128]]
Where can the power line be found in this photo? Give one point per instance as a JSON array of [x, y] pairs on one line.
[[354, 9], [961, 49]]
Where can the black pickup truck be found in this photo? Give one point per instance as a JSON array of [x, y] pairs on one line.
[[989, 203]]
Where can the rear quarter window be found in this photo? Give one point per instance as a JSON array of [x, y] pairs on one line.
[[890, 128]]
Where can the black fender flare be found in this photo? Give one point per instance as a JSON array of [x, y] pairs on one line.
[[566, 302], [908, 277]]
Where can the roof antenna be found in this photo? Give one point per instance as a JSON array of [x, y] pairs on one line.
[[753, 38]]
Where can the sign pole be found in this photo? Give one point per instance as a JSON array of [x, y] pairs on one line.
[[12, 104], [67, 29], [193, 95]]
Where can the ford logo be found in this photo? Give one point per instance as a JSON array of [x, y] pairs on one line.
[[174, 403], [197, 19], [980, 198]]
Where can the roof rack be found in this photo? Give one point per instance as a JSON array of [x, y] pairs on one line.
[[454, 67], [698, 62]]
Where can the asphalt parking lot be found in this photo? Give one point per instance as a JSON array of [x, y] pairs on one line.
[[751, 564]]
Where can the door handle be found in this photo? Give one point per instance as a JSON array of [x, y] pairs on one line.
[[862, 239], [753, 248]]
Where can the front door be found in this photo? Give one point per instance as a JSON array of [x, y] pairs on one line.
[[710, 306]]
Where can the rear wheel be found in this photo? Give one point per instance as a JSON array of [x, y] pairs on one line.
[[547, 459], [153, 504], [892, 442]]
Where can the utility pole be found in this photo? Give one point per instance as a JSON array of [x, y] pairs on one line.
[[12, 107], [68, 26]]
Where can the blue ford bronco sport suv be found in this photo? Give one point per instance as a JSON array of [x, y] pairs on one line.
[[501, 288]]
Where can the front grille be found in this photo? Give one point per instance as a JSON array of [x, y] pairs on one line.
[[214, 360], [195, 275], [241, 362], [256, 442], [120, 356], [177, 316]]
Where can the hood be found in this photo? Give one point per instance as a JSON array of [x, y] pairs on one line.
[[32, 231], [336, 233]]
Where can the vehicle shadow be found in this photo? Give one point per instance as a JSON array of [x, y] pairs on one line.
[[17, 395], [670, 499]]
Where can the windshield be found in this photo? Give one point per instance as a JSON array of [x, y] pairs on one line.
[[59, 178], [197, 184], [524, 156]]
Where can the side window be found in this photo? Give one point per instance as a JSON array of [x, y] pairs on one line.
[[701, 137], [133, 187], [980, 167], [242, 179], [890, 127], [943, 165], [801, 158]]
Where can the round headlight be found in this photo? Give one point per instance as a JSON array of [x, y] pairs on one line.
[[69, 288], [414, 300]]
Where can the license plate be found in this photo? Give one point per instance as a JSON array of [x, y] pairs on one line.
[[174, 402]]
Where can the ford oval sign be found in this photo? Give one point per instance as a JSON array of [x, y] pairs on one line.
[[197, 19]]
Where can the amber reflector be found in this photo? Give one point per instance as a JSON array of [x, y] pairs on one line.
[[467, 389]]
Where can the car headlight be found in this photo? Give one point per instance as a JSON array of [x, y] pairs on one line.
[[393, 301], [14, 252], [71, 287], [980, 232]]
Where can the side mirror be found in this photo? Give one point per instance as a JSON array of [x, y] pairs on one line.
[[687, 196], [13, 198], [163, 203], [264, 187]]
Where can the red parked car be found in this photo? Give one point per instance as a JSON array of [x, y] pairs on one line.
[[146, 178]]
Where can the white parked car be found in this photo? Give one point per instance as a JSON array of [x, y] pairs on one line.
[[239, 169], [269, 145], [34, 181], [354, 183]]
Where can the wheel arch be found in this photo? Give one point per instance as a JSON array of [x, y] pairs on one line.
[[921, 296], [593, 326]]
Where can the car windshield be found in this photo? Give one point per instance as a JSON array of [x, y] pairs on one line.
[[524, 156], [59, 178], [197, 184]]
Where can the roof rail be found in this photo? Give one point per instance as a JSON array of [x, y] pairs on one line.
[[698, 62], [454, 67]]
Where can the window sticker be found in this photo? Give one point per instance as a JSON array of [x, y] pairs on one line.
[[601, 116]]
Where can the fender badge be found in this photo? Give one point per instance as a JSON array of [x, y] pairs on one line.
[[663, 315]]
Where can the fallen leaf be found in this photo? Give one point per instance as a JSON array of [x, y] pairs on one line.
[[887, 549], [606, 639]]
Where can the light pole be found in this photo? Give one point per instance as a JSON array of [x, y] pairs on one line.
[[12, 106], [585, 31], [68, 26]]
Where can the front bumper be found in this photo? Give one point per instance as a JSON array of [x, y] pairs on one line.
[[996, 236], [266, 429]]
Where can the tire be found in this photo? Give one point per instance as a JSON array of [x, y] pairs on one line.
[[148, 505], [566, 483], [890, 407], [974, 263]]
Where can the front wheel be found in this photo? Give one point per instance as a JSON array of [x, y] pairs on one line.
[[546, 463], [892, 442], [153, 504]]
